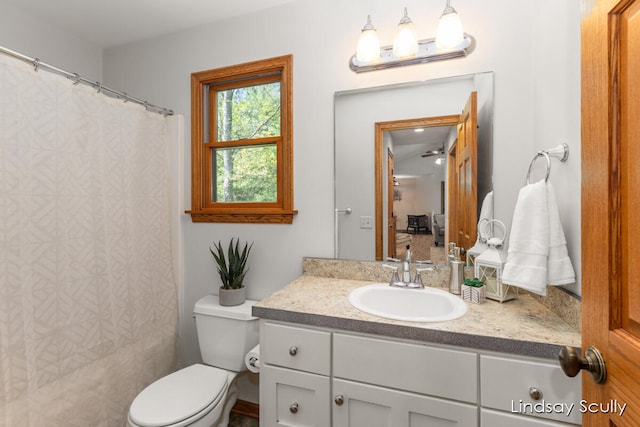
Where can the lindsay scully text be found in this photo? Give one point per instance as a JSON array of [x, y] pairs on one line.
[[543, 407]]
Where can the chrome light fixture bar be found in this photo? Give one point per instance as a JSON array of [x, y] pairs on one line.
[[427, 52], [450, 42]]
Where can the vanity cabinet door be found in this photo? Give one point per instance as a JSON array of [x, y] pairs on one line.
[[357, 405], [535, 388], [293, 398]]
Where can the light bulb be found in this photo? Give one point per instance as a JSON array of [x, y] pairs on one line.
[[450, 32], [405, 43], [368, 48]]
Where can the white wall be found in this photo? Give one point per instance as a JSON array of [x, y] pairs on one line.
[[420, 196], [556, 111], [35, 38], [532, 47]]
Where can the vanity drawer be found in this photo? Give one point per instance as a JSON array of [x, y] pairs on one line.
[[296, 398], [296, 348], [412, 367], [505, 384]]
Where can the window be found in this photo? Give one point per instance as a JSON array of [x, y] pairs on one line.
[[242, 143]]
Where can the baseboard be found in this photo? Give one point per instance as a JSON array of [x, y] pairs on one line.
[[247, 409]]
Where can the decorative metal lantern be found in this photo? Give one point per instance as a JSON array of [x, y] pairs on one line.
[[480, 245], [488, 268]]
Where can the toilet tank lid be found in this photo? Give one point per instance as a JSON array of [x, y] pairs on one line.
[[210, 306]]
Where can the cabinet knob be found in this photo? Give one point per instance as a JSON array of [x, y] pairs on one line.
[[535, 393], [293, 350], [293, 408], [339, 399]]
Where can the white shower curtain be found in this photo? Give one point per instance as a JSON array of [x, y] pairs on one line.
[[88, 301]]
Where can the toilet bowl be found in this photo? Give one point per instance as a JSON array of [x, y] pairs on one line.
[[202, 395]]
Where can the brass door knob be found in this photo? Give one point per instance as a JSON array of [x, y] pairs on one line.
[[571, 363], [339, 399], [294, 408]]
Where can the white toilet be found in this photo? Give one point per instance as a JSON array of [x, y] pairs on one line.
[[202, 395]]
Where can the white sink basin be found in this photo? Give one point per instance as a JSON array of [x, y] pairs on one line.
[[411, 305]]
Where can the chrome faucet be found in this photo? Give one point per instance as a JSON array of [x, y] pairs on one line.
[[406, 273], [406, 281]]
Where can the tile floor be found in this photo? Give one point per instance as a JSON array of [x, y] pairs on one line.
[[241, 421]]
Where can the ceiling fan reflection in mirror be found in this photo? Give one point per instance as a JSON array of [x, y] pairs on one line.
[[430, 153]]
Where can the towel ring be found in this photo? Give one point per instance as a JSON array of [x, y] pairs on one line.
[[538, 155], [493, 240], [482, 230], [561, 152]]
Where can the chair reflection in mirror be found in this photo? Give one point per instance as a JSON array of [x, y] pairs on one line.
[[438, 229], [418, 223]]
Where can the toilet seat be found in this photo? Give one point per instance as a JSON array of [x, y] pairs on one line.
[[180, 398]]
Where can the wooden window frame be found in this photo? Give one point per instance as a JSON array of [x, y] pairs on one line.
[[202, 208]]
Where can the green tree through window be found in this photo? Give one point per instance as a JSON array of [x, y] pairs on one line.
[[247, 174]]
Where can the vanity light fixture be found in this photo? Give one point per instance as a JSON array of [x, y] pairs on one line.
[[405, 43], [450, 42], [368, 49], [450, 32]]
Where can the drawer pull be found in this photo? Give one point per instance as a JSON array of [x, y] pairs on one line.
[[293, 350], [293, 408], [535, 393], [339, 399]]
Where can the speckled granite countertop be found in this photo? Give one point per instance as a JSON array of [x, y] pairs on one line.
[[522, 326]]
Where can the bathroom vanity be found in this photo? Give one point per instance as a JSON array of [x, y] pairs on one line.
[[324, 363]]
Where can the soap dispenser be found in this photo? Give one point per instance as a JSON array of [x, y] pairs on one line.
[[456, 278], [451, 254]]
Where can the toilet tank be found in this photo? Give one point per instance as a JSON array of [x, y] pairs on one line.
[[225, 334]]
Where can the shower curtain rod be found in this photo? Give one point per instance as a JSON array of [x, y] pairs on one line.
[[76, 78]]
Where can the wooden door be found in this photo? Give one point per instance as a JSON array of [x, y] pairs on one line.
[[466, 220], [391, 219], [610, 203], [451, 226]]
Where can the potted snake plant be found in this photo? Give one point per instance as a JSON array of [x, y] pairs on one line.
[[232, 268]]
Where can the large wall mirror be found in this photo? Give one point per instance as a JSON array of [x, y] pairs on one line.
[[395, 161]]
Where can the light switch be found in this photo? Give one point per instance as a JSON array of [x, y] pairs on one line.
[[366, 222]]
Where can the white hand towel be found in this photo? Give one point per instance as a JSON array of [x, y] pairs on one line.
[[560, 270], [537, 253], [486, 213], [526, 264]]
